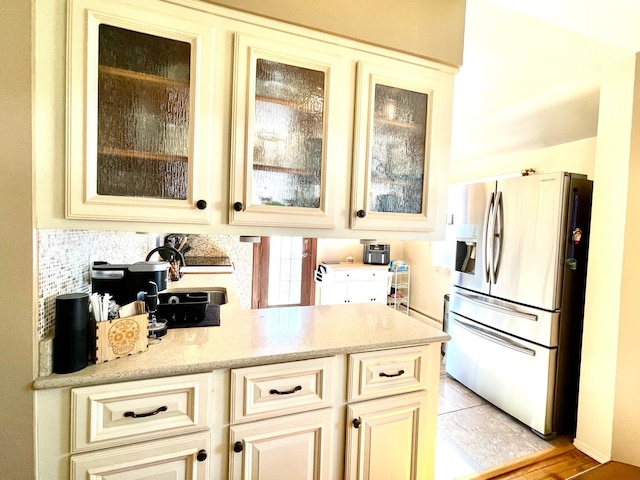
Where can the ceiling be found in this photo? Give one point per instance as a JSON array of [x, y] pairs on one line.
[[531, 69]]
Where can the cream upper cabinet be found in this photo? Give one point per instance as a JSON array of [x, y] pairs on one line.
[[283, 155], [401, 142], [139, 93], [191, 114]]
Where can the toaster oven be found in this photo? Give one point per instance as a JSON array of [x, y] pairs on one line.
[[376, 254]]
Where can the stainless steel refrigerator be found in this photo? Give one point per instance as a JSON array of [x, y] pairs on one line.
[[517, 300]]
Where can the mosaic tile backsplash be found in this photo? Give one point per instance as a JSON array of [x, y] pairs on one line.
[[64, 261]]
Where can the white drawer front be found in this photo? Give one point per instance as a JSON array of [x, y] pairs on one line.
[[386, 372], [121, 413], [359, 275], [279, 389]]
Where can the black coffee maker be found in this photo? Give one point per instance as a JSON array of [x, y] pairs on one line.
[[125, 281]]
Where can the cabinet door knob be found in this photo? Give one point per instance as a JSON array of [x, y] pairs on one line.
[[237, 447], [202, 455], [201, 204], [361, 214], [356, 423], [238, 206]]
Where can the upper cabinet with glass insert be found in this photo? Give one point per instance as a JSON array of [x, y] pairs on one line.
[[402, 137], [137, 138], [283, 134]]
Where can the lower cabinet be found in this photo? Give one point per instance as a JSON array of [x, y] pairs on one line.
[[385, 438], [368, 415], [155, 428], [295, 447], [365, 416], [177, 458]]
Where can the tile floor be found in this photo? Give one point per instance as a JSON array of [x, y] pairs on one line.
[[474, 435]]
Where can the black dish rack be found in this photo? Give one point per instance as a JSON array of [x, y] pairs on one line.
[[191, 309]]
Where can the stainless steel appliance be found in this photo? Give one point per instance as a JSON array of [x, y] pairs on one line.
[[517, 300], [377, 254]]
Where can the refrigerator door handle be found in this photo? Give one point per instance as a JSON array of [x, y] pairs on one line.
[[486, 235], [494, 337], [498, 235], [496, 238], [473, 299]]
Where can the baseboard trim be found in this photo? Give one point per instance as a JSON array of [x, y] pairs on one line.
[[592, 452]]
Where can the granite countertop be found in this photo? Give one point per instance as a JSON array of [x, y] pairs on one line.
[[255, 337]]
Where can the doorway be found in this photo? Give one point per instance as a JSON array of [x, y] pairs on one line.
[[283, 272]]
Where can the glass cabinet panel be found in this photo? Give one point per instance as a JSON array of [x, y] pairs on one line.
[[398, 153], [280, 169], [143, 114], [287, 135], [139, 106], [402, 129]]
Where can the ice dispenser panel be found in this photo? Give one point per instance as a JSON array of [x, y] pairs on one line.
[[466, 248]]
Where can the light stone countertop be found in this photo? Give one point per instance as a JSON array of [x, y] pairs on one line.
[[257, 337]]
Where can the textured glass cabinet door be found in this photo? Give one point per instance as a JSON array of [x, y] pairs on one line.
[[140, 114], [396, 109], [143, 114], [279, 171]]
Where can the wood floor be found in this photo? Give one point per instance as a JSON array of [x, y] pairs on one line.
[[558, 463]]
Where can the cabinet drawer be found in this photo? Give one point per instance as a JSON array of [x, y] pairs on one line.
[[386, 372], [279, 389], [121, 413], [360, 275]]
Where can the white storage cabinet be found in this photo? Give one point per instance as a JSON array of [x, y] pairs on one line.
[[352, 283]]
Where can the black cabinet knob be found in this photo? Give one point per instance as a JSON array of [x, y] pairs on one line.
[[361, 214], [238, 206], [237, 447], [201, 456], [356, 423], [201, 204]]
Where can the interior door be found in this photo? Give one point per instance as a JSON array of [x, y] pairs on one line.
[[283, 272], [530, 227], [470, 208]]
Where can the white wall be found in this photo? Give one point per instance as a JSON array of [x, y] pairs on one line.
[[334, 249], [430, 277], [428, 28], [608, 414], [17, 260]]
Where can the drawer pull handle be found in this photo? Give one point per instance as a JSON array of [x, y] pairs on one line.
[[356, 423], [389, 375], [142, 415], [297, 388]]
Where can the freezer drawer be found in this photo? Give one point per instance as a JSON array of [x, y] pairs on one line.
[[514, 375], [538, 326]]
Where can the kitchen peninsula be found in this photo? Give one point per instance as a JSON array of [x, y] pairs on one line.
[[353, 369]]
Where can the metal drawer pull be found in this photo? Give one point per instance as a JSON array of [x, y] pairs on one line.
[[389, 375], [142, 415], [278, 392]]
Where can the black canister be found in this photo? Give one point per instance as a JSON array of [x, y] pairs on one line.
[[71, 342]]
